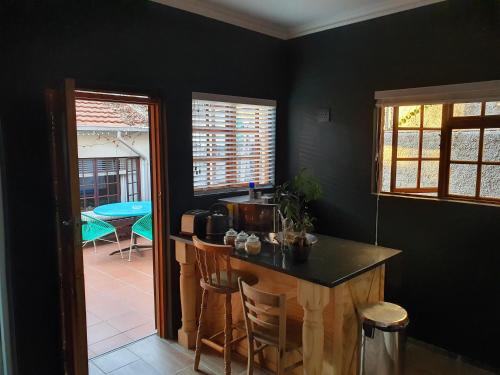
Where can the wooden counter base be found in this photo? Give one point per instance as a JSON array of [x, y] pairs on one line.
[[330, 324]]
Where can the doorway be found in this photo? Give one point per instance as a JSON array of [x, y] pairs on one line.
[[87, 175], [113, 140]]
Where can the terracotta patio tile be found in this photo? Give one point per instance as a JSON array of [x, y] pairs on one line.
[[110, 343], [92, 319], [107, 310], [99, 332], [142, 331], [128, 320], [119, 293]]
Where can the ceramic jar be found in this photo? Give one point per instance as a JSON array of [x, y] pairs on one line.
[[253, 245], [230, 237], [240, 241]]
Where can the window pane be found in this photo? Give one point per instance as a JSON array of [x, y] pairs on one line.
[[431, 144], [103, 201], [466, 109], [492, 108], [465, 144], [387, 149], [463, 179], [406, 174], [408, 143], [90, 204], [113, 189], [433, 115], [409, 116], [113, 199], [490, 181], [491, 144], [429, 173]]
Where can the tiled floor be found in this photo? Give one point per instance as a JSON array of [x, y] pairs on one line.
[[119, 297], [154, 356]]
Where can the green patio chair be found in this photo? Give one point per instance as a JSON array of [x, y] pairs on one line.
[[143, 228], [94, 229]]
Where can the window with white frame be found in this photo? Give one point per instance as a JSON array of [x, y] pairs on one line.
[[233, 142], [442, 142]]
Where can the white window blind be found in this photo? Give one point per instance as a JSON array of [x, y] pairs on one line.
[[233, 142]]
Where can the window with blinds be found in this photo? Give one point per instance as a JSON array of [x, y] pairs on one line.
[[233, 142]]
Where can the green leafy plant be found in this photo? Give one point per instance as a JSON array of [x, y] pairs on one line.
[[293, 198]]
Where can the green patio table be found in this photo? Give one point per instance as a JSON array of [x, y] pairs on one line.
[[126, 209]]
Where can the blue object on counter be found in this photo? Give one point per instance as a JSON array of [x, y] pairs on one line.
[[251, 190], [124, 209]]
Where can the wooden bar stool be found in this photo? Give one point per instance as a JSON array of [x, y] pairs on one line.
[[267, 325], [217, 276]]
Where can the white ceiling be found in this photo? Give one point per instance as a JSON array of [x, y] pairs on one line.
[[287, 19]]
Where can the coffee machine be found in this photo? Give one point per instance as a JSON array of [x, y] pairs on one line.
[[257, 216]]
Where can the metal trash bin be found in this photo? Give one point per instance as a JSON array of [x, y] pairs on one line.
[[382, 339]]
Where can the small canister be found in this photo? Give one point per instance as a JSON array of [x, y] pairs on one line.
[[241, 239], [253, 245], [230, 237]]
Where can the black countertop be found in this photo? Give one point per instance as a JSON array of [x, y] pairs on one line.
[[331, 262]]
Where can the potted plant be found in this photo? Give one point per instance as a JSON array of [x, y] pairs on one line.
[[293, 198]]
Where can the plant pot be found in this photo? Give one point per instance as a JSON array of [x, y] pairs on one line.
[[300, 254]]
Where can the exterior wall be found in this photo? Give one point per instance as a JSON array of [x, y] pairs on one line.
[[107, 145]]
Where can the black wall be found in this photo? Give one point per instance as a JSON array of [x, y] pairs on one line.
[[131, 45], [447, 277]]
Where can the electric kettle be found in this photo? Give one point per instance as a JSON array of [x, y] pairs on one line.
[[217, 222]]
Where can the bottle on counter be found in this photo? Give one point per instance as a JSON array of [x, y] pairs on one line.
[[251, 190]]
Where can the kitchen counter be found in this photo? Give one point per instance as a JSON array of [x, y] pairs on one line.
[[332, 260], [323, 292]]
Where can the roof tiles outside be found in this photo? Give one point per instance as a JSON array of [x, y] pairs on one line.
[[90, 113]]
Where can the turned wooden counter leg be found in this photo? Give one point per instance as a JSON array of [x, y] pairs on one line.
[[366, 288], [313, 298], [185, 255]]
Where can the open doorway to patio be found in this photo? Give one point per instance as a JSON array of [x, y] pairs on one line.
[[113, 139]]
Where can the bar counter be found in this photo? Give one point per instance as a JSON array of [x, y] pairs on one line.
[[323, 292]]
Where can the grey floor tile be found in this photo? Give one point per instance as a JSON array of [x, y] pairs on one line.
[[203, 370], [215, 362], [114, 360], [94, 370], [136, 368], [160, 355]]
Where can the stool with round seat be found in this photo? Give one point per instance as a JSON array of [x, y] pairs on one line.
[[217, 276]]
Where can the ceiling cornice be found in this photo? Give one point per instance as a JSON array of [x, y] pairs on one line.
[[225, 15], [228, 16], [363, 14]]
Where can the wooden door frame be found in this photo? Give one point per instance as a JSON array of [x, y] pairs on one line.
[[74, 328]]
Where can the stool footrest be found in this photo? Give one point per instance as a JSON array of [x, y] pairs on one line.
[[213, 345], [294, 366], [261, 348], [238, 326]]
